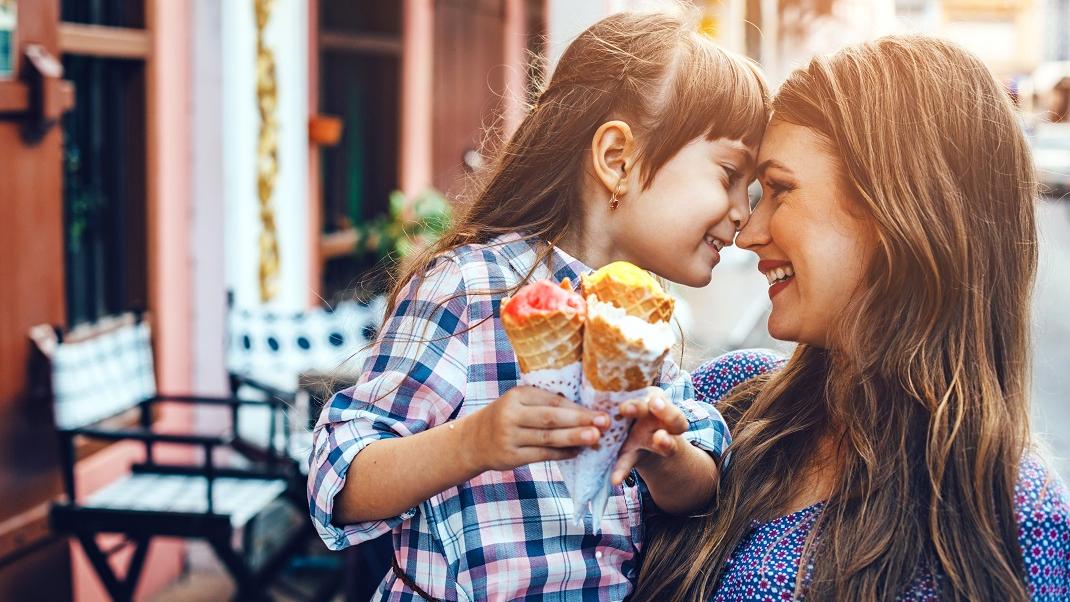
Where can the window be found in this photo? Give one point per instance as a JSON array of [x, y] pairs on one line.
[[360, 70], [104, 193]]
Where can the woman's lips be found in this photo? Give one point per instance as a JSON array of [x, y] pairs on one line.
[[780, 273]]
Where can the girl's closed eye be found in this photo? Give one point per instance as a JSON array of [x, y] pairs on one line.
[[732, 176]]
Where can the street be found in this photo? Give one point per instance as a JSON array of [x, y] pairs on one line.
[[1051, 334]]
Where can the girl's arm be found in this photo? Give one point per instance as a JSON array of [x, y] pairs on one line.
[[385, 445], [681, 477], [525, 425]]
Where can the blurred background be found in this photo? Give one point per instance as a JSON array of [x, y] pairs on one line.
[[231, 165]]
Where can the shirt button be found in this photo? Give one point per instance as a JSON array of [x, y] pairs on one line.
[[629, 480], [598, 554]]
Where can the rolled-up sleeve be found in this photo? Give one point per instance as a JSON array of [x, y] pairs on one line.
[[414, 378], [706, 428]]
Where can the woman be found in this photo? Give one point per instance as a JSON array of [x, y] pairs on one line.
[[890, 457]]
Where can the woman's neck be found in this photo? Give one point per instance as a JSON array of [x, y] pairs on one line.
[[816, 481]]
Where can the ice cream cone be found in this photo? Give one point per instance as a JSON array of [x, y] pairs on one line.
[[632, 289], [546, 341], [544, 323], [622, 352]]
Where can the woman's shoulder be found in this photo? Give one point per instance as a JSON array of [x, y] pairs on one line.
[[1043, 516], [1040, 489], [714, 379]]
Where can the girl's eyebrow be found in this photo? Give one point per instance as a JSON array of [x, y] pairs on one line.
[[738, 148], [765, 165]]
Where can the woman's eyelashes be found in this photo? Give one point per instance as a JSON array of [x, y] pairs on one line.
[[778, 188]]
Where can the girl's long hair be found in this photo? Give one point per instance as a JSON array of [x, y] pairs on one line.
[[656, 70], [926, 390]]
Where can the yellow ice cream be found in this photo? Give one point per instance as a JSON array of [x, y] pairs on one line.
[[630, 288], [625, 274]]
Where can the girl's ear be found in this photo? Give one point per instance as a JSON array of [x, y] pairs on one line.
[[613, 155]]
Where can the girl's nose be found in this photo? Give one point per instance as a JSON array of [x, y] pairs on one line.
[[739, 212], [738, 218]]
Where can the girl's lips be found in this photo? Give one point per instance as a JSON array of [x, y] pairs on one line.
[[716, 253]]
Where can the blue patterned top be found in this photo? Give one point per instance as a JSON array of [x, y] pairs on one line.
[[765, 564]]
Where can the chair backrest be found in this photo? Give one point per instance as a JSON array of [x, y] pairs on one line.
[[274, 347], [98, 371]]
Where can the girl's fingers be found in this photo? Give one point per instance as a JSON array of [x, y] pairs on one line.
[[664, 444], [634, 408], [534, 396], [583, 436], [530, 455], [669, 415], [624, 465], [543, 417]]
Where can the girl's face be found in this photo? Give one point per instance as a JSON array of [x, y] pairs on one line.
[[812, 241], [692, 209]]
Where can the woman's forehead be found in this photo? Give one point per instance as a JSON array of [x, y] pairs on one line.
[[795, 148]]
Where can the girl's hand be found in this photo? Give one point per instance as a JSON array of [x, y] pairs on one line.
[[528, 425], [654, 435]]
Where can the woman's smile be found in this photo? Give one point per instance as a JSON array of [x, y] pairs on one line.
[[779, 273]]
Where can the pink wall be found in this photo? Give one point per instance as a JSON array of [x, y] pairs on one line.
[[170, 278], [417, 65]]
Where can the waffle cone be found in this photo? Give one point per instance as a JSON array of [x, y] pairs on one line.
[[643, 303], [546, 340], [613, 362]]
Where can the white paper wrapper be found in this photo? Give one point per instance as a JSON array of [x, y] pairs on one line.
[[563, 381], [587, 475], [566, 382]]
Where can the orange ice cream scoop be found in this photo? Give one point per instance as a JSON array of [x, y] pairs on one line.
[[542, 297]]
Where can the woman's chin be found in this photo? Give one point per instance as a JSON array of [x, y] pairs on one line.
[[780, 329]]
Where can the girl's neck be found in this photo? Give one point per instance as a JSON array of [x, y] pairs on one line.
[[592, 245]]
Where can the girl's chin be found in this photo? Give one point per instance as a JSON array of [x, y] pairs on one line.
[[695, 279]]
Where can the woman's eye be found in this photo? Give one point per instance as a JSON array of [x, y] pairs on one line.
[[778, 188]]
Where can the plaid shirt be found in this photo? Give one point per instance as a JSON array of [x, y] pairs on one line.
[[502, 535]]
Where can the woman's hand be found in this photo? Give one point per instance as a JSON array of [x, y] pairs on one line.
[[528, 425], [654, 435]]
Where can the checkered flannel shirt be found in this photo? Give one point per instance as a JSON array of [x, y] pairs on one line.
[[502, 535]]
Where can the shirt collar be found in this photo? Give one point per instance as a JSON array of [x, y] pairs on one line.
[[522, 252]]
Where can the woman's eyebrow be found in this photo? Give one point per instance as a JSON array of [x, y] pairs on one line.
[[765, 165]]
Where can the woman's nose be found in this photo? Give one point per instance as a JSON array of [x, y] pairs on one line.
[[755, 230]]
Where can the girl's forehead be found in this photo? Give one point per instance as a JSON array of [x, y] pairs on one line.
[[744, 153]]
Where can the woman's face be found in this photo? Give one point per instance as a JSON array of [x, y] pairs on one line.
[[808, 230]]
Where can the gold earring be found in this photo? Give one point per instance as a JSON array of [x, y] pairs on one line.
[[614, 202]]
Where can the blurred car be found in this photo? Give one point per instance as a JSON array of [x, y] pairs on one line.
[[1051, 154]]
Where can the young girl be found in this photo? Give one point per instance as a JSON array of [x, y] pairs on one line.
[[639, 149]]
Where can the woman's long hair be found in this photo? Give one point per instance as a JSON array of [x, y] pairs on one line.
[[672, 84], [926, 389]]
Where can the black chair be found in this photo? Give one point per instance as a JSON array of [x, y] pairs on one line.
[[268, 351], [101, 375], [304, 357]]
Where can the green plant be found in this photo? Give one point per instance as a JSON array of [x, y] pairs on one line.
[[411, 224]]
